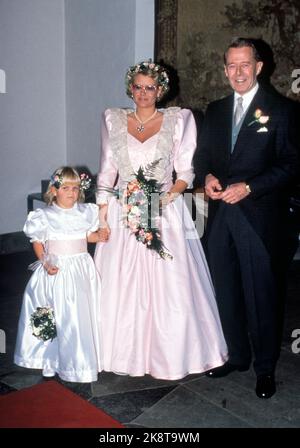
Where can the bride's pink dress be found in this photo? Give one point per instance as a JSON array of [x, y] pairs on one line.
[[158, 316]]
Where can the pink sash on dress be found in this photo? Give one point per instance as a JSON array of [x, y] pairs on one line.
[[66, 247]]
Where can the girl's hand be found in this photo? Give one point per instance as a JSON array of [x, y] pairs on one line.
[[51, 270], [101, 235]]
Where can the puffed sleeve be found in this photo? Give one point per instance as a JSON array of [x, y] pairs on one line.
[[36, 226], [186, 136], [108, 170], [93, 217]]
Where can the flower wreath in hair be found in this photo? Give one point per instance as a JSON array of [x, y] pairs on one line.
[[85, 181], [148, 68]]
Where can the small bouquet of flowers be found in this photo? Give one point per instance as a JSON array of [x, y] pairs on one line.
[[43, 323], [139, 209], [85, 181]]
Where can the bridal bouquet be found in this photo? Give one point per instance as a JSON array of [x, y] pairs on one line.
[[140, 214], [43, 323]]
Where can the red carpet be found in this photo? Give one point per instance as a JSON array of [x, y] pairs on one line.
[[51, 405]]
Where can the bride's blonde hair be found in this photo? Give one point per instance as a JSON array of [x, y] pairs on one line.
[[148, 68]]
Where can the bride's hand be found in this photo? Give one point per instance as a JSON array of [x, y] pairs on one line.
[[167, 198], [104, 233]]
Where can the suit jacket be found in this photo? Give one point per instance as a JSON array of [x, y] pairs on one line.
[[266, 158]]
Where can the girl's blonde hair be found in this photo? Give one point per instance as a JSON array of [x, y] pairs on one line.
[[59, 177]]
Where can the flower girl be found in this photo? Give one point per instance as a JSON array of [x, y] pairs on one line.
[[59, 325]]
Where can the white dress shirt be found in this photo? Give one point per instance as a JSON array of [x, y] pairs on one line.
[[247, 98]]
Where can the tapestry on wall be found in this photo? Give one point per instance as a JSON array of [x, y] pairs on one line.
[[191, 36]]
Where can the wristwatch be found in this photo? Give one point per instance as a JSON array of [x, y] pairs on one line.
[[248, 189]]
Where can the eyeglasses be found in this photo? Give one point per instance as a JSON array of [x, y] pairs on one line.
[[147, 89]]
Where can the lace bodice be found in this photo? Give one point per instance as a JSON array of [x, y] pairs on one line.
[[122, 154]]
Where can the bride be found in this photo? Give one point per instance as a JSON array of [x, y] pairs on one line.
[[158, 310]]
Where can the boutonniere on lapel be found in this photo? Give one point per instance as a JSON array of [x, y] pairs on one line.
[[261, 119]]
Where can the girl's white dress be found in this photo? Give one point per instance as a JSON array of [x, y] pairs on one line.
[[73, 293], [159, 317]]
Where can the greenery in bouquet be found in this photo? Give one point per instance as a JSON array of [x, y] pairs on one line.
[[141, 210], [43, 323]]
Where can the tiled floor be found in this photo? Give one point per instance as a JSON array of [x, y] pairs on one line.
[[194, 402]]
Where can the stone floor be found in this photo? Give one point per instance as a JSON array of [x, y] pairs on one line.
[[143, 402]]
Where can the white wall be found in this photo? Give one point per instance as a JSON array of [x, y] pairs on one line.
[[144, 31], [100, 42], [64, 62], [32, 111]]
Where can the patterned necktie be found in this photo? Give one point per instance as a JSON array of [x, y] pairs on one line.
[[238, 111]]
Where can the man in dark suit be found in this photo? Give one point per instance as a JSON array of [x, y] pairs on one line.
[[246, 160]]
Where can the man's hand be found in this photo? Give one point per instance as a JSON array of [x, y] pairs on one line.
[[213, 188], [234, 193]]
